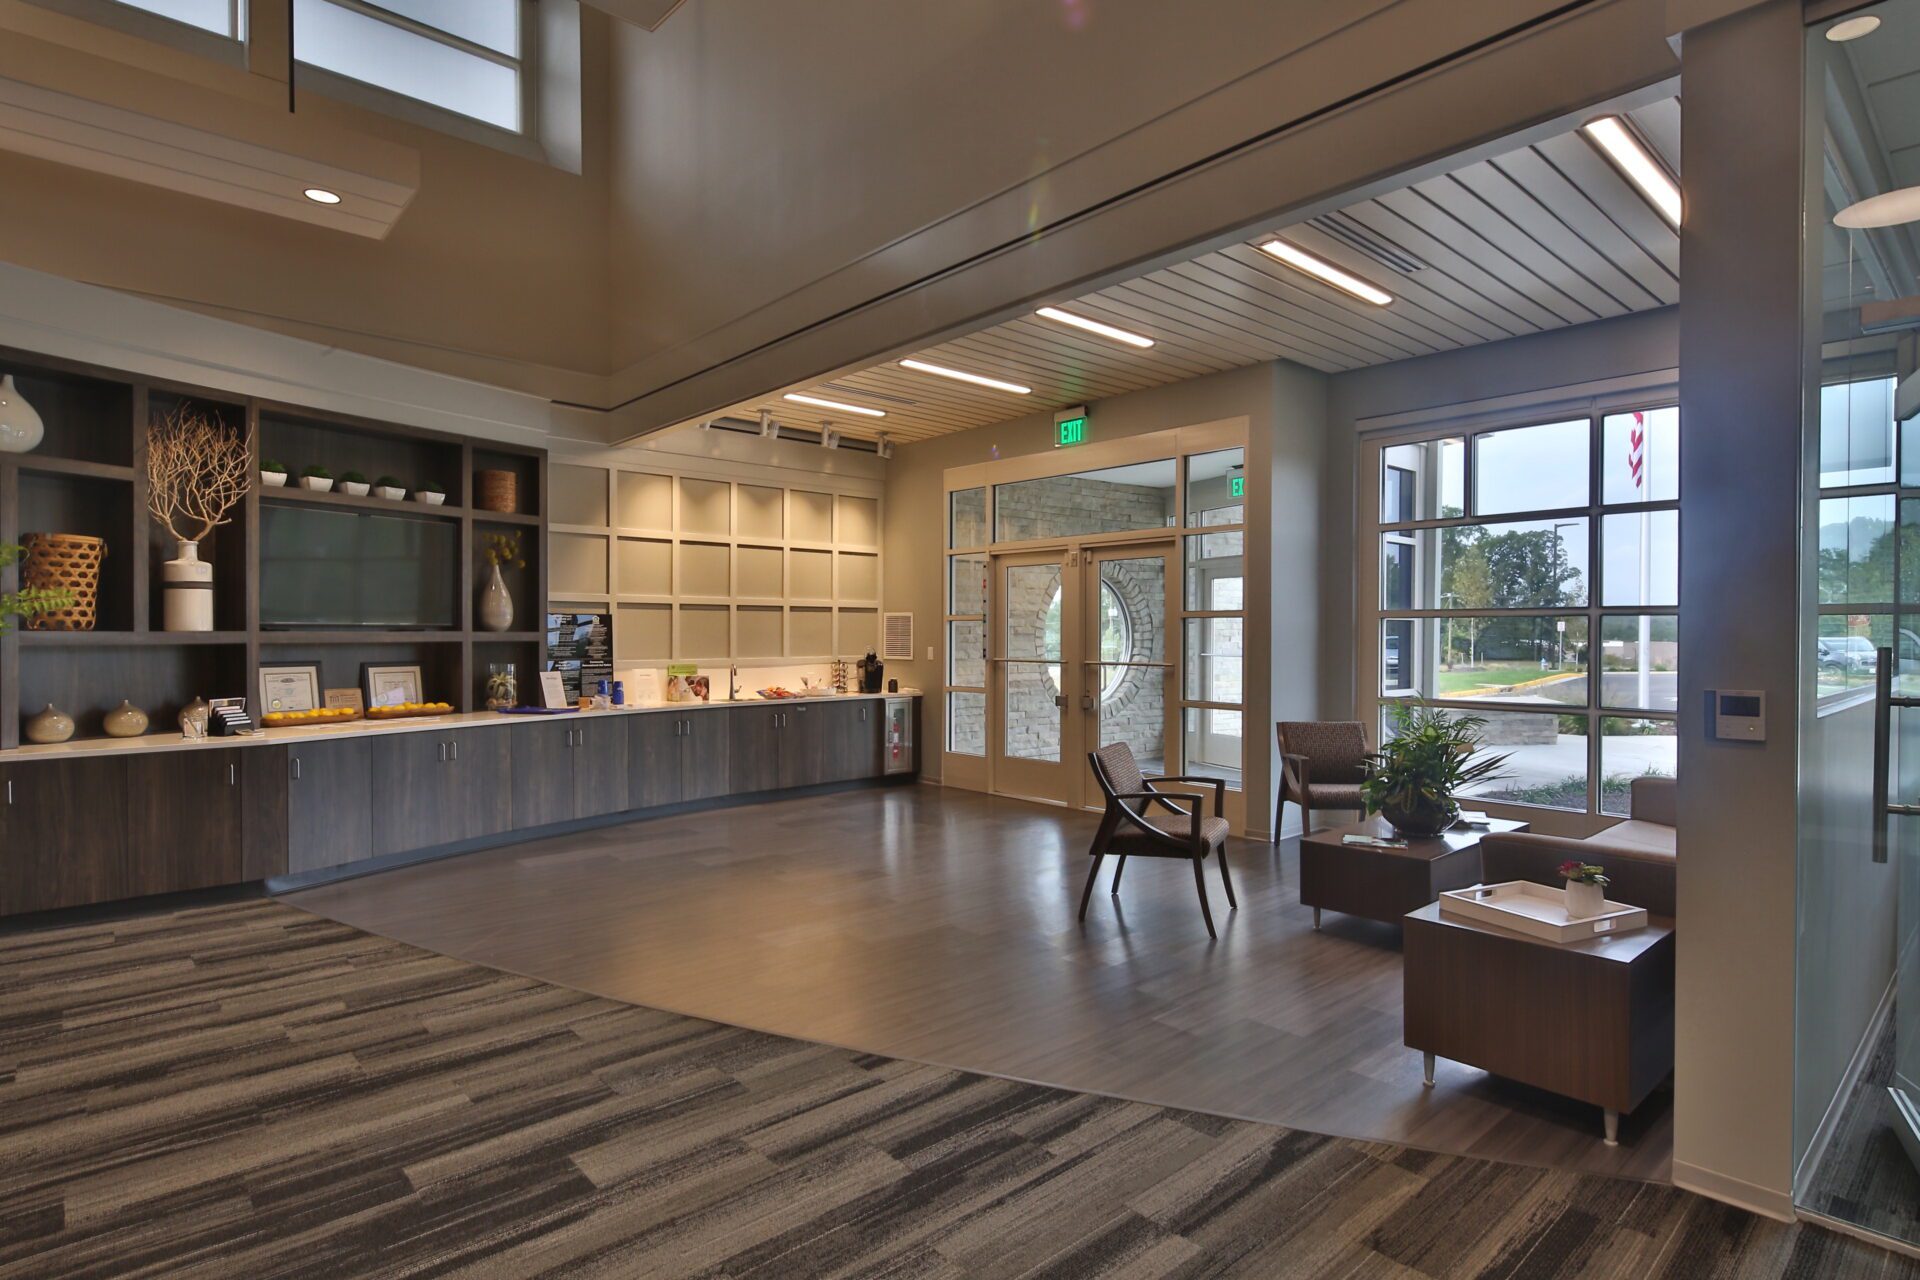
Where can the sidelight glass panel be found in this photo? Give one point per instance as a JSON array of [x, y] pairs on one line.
[[967, 518], [967, 723], [1217, 488], [967, 585], [1214, 559], [1633, 748], [967, 654], [1640, 558], [1214, 742], [1540, 468], [1424, 481], [1213, 659], [1640, 662]]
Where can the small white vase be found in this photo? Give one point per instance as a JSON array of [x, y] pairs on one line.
[[428, 497], [274, 479], [188, 582], [391, 493], [317, 484], [1584, 901], [354, 488], [20, 426], [496, 606]]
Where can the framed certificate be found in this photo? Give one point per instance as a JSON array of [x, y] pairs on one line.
[[289, 688], [391, 686]]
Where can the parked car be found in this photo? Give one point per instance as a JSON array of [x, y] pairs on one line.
[[1843, 655]]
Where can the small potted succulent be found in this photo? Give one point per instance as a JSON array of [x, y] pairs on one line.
[[1586, 889], [316, 478], [1432, 756], [430, 493], [273, 474], [389, 488], [352, 482]]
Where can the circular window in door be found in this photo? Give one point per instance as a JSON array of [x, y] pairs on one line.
[[1116, 637]]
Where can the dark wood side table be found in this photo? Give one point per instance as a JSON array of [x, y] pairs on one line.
[[1385, 884], [1591, 1020]]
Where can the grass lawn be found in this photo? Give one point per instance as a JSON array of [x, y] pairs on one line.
[[1492, 675]]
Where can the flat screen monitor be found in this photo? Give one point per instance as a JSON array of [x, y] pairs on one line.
[[346, 569]]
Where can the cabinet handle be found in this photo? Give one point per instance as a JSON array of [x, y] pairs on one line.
[[581, 741], [455, 748], [9, 791], [296, 768], [233, 774], [443, 752]]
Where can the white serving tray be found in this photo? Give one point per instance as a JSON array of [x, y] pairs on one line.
[[1536, 910]]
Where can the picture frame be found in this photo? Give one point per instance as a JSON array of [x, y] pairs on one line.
[[553, 691], [389, 686], [349, 699], [294, 687]]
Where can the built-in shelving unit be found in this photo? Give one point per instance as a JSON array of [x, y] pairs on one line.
[[88, 476]]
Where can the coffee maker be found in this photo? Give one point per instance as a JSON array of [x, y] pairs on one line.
[[872, 673]]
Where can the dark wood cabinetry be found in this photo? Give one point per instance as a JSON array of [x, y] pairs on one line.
[[329, 803], [183, 820], [431, 789], [850, 737], [63, 834], [566, 771], [754, 762], [673, 758]]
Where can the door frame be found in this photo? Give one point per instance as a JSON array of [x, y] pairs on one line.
[[1049, 781]]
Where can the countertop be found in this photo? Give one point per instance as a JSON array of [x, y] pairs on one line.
[[81, 748]]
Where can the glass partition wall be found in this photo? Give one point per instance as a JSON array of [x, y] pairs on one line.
[[1857, 1000], [1526, 573], [1092, 606]]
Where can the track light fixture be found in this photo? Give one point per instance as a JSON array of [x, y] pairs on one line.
[[883, 446], [769, 429]]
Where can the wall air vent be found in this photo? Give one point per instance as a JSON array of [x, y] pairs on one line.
[[897, 637]]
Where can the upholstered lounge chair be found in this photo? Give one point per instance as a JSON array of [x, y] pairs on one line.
[[1144, 819], [1322, 764]]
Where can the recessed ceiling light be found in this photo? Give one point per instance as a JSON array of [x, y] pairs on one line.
[[861, 409], [1094, 326], [979, 380], [1888, 209], [1640, 168], [1300, 260], [1853, 28], [320, 195]]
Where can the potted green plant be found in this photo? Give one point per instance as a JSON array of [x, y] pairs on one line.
[[316, 478], [352, 482], [27, 601], [1432, 756], [1586, 889], [430, 493], [389, 488], [273, 474]]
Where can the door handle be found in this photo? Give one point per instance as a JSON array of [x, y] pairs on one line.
[[1060, 700], [1882, 747]]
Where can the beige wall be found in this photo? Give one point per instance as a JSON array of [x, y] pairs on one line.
[[1285, 407], [496, 272]]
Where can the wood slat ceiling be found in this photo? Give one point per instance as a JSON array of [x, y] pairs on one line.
[[1540, 238]]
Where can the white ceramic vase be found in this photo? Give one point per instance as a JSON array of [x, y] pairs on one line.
[[188, 581], [1584, 901], [20, 425], [496, 606]]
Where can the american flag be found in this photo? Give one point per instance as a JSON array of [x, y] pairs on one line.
[[1637, 450]]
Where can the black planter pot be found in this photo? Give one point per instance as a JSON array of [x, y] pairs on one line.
[[1428, 818]]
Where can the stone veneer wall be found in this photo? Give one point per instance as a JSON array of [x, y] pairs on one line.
[[1133, 712]]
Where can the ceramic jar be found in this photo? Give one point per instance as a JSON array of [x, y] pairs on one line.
[[125, 721], [188, 582], [20, 426], [1584, 901], [51, 725], [496, 606]]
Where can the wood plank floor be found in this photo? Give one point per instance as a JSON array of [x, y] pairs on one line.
[[1865, 1176], [938, 925], [252, 1091]]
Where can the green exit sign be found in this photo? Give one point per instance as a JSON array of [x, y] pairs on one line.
[[1071, 431], [1238, 486]]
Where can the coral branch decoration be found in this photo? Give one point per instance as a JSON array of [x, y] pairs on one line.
[[198, 470]]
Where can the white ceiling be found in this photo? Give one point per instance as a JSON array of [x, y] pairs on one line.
[[1538, 238]]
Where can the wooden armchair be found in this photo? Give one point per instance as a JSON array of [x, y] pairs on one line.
[[1127, 831], [1322, 764]]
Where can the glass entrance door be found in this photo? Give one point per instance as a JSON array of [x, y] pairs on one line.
[[1036, 743]]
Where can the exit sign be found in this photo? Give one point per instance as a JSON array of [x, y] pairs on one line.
[[1070, 431], [1237, 486]]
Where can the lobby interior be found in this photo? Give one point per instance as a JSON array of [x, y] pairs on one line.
[[923, 441]]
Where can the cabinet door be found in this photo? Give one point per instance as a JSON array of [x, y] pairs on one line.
[[855, 740], [413, 792], [482, 761], [63, 834], [706, 756], [653, 758], [542, 773], [804, 741], [599, 767], [754, 763], [183, 812], [329, 803]]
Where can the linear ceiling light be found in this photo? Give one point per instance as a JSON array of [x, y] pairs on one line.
[[1094, 326], [1633, 160], [1853, 28], [961, 375], [1300, 260], [861, 409]]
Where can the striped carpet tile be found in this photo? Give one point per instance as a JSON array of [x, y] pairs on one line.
[[248, 1090]]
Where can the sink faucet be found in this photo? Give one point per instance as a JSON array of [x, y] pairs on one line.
[[733, 683]]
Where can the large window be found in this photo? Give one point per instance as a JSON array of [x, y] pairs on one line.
[[462, 56], [222, 17], [1869, 550], [1529, 575]]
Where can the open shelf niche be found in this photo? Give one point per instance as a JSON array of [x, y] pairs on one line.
[[88, 476]]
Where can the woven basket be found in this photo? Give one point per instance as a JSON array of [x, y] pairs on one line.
[[64, 562], [498, 491]]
